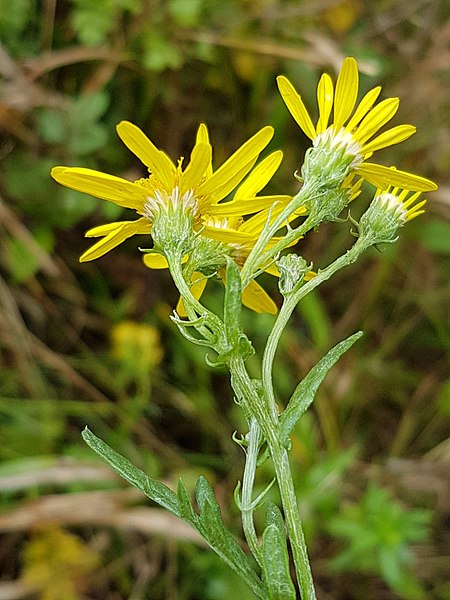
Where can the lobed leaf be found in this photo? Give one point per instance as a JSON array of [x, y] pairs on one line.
[[155, 490]]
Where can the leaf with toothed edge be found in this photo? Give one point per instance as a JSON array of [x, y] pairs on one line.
[[208, 523]]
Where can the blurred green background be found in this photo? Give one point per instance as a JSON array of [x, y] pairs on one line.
[[93, 344]]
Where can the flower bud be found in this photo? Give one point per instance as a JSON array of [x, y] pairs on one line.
[[389, 210], [293, 269], [173, 218], [331, 158]]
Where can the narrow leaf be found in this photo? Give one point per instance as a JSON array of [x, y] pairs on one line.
[[155, 490], [187, 511], [209, 524], [305, 392], [233, 303], [274, 516], [213, 529], [276, 557]]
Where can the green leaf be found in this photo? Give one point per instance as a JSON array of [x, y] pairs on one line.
[[209, 524], [185, 14], [92, 22], [159, 53], [89, 108], [239, 342], [187, 511], [213, 529], [52, 125], [276, 558], [305, 392], [21, 256], [155, 490], [233, 303], [15, 17]]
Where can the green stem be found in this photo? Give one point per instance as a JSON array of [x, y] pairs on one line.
[[278, 452], [192, 305], [292, 517], [258, 256], [289, 305], [248, 525], [244, 389]]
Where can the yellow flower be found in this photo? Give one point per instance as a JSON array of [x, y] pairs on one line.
[[238, 237], [354, 129], [390, 209], [136, 345], [196, 188], [400, 204]]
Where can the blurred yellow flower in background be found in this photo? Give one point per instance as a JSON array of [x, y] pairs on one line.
[[57, 564], [136, 346]]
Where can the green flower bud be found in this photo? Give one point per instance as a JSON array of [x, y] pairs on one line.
[[293, 269], [389, 210], [331, 158], [172, 216]]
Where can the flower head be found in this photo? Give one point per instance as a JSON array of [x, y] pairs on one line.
[[390, 209], [234, 237], [185, 195], [351, 130]]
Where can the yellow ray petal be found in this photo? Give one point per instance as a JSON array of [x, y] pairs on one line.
[[254, 297], [202, 134], [389, 138], [197, 167], [226, 185], [346, 92], [154, 260], [295, 106], [260, 176], [198, 284], [272, 269], [363, 108], [415, 211], [103, 186], [247, 153], [324, 101], [382, 177], [102, 230], [375, 119], [112, 240], [225, 235], [245, 206], [203, 138], [157, 161], [144, 225], [407, 203]]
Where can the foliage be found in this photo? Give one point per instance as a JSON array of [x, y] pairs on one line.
[[66, 79], [378, 531]]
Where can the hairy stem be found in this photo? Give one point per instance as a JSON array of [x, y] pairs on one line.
[[258, 257], [249, 395], [291, 302], [248, 525]]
